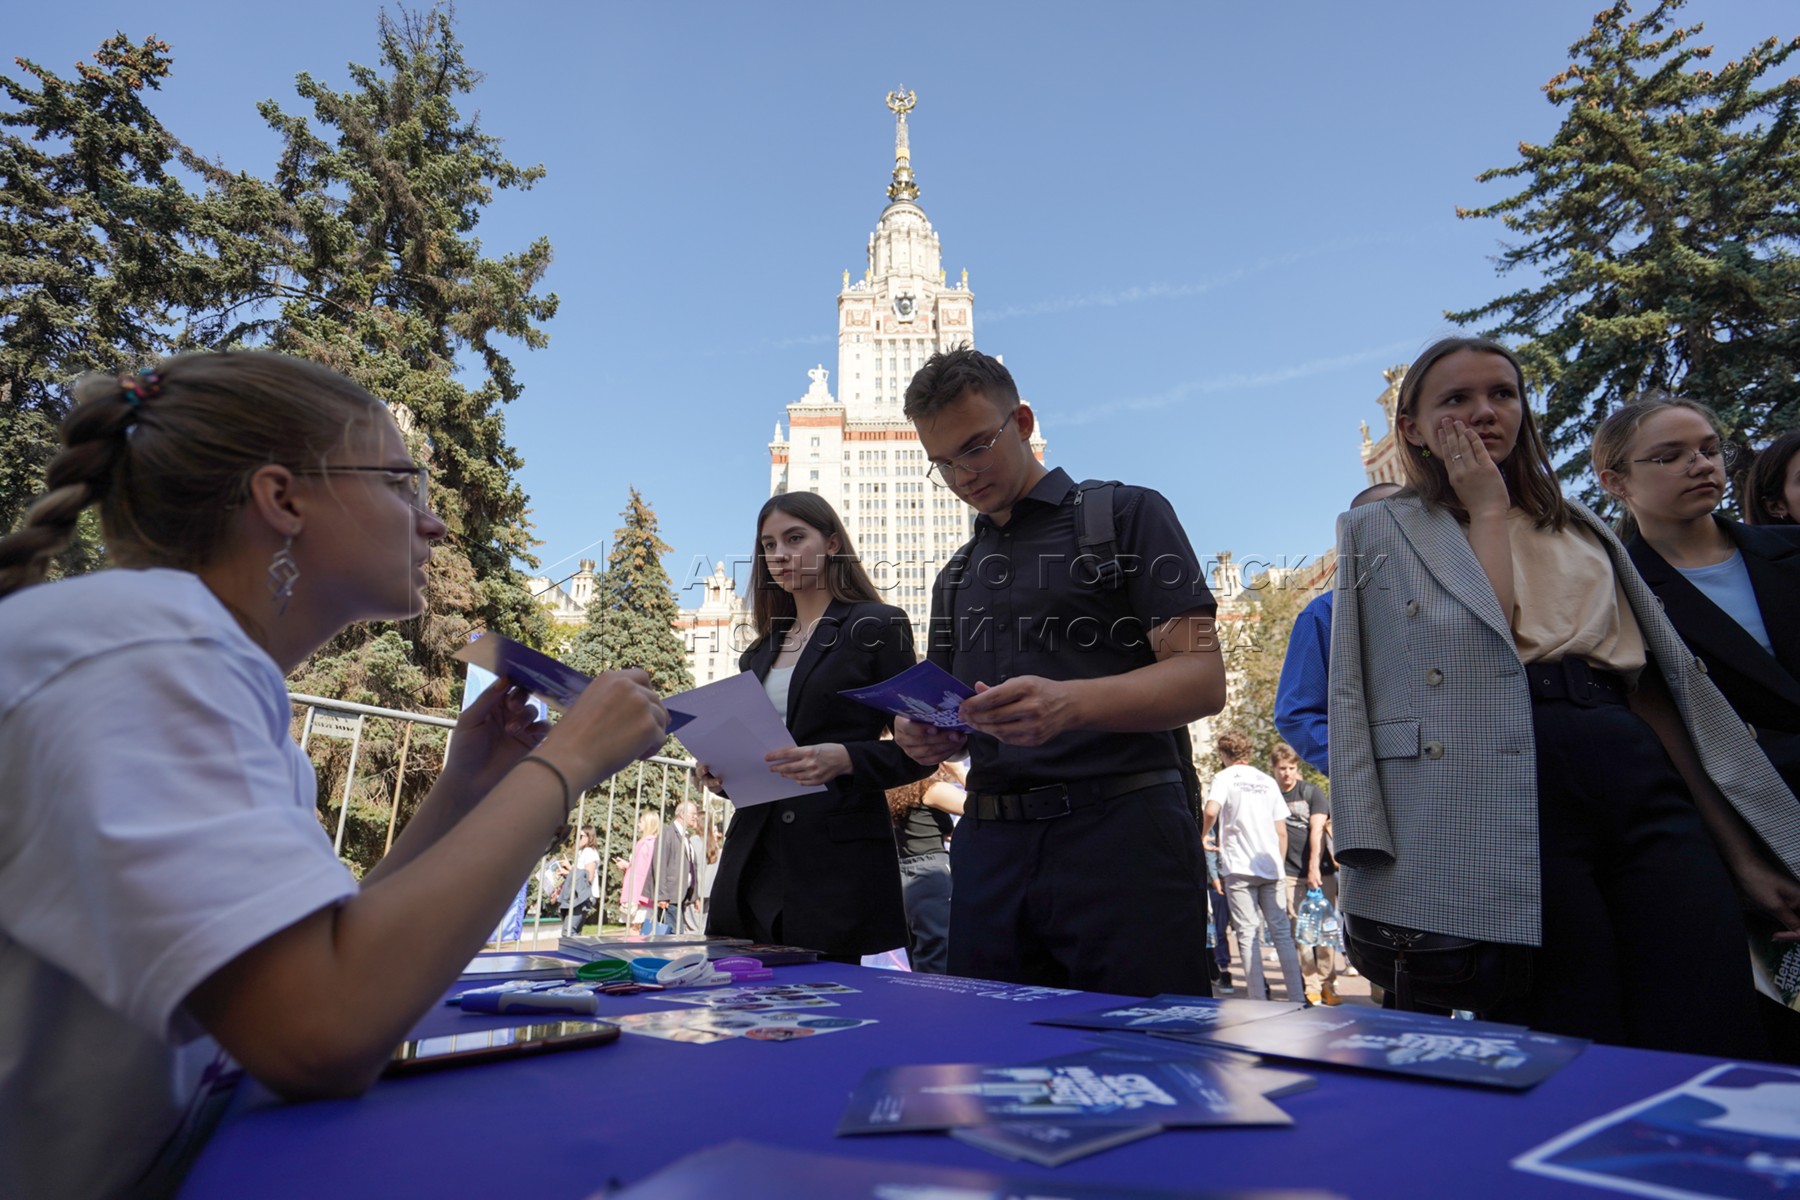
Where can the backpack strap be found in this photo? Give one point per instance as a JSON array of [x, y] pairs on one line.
[[1096, 534], [1094, 531]]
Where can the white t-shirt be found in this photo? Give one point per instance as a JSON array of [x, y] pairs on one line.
[[158, 821], [1250, 807], [585, 858]]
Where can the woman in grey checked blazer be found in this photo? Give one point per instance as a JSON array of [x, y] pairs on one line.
[[1523, 750]]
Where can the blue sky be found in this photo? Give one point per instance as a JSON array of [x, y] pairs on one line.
[[1196, 231]]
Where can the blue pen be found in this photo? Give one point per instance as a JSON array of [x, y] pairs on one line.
[[567, 1000]]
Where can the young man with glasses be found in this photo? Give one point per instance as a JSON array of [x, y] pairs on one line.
[[1078, 860]]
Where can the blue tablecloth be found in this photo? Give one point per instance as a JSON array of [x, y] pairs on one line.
[[565, 1124]]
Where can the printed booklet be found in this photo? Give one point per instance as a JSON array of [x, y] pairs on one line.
[[747, 1171], [1090, 1088], [1731, 1131], [925, 692], [557, 683], [1407, 1043], [1175, 1014]]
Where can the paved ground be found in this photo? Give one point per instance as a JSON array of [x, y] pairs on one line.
[[1351, 989]]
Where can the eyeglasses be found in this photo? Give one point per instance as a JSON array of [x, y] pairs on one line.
[[974, 461], [417, 480], [1681, 460]]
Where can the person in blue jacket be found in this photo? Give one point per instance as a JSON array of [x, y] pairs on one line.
[[1300, 711]]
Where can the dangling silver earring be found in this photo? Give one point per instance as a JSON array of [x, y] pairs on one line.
[[283, 572]]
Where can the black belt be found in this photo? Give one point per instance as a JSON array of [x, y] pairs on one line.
[[1577, 681], [1060, 799]]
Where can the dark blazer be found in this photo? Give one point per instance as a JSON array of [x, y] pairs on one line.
[[826, 861], [1764, 688]]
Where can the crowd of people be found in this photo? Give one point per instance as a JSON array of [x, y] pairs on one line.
[[1559, 759]]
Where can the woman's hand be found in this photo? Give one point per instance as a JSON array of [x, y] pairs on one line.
[[704, 777], [491, 736], [810, 765], [616, 719], [1474, 476], [1772, 893]]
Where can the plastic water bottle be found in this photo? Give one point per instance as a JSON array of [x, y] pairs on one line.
[[1331, 928], [1307, 926]]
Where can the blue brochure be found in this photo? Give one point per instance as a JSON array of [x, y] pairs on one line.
[[1175, 1014], [925, 692], [1048, 1144], [558, 683], [747, 1171], [1090, 1088], [1733, 1130], [1406, 1043]]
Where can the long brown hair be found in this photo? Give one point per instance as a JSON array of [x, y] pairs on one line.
[[1530, 478], [1611, 447], [168, 460], [845, 578], [1767, 476]]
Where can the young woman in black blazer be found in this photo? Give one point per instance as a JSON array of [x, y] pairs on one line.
[[819, 869], [1732, 591]]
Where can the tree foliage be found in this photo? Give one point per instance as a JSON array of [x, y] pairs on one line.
[[631, 623], [119, 244], [1658, 228], [382, 186], [1255, 647], [103, 258]]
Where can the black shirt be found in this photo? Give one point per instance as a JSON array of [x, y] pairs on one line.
[[1305, 799], [1020, 601], [922, 831]]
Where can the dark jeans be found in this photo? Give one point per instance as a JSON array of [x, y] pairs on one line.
[[1109, 898], [575, 918], [1644, 941], [925, 889]]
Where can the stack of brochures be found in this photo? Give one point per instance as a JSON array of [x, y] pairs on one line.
[[670, 945], [1421, 1045], [1057, 1109]]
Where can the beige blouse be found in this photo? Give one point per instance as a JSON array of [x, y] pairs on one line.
[[1561, 608]]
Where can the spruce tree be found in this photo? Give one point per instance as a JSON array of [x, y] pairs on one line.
[[385, 182], [631, 620], [1658, 229], [631, 623], [100, 265]]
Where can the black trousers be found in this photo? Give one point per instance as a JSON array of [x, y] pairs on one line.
[[1644, 941], [1109, 898]]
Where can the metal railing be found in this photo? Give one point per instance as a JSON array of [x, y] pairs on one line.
[[343, 719]]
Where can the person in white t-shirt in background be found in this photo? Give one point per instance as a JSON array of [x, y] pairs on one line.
[[1246, 822]]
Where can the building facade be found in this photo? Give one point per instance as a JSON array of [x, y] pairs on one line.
[[856, 448]]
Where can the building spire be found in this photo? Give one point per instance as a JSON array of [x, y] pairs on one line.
[[903, 188]]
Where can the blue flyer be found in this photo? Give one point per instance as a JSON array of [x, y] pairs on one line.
[[1407, 1043], [1731, 1131], [1170, 1013], [558, 683], [747, 1171], [925, 693], [1089, 1088]]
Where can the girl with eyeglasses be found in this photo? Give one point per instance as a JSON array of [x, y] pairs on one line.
[[1731, 590], [169, 901]]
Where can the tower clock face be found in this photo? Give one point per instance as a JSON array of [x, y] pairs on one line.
[[904, 305]]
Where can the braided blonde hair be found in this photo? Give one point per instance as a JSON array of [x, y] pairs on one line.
[[168, 461]]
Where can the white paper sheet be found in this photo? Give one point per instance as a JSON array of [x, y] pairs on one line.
[[734, 725]]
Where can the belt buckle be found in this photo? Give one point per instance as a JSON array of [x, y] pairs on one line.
[[1034, 802], [1578, 677]]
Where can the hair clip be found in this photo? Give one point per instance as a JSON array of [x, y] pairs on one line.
[[145, 385]]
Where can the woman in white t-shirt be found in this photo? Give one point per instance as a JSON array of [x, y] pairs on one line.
[[167, 895]]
